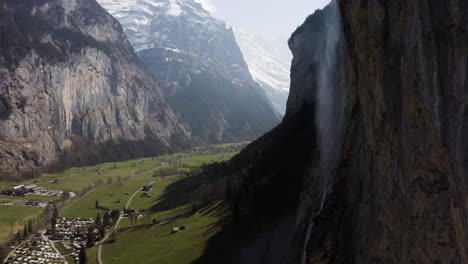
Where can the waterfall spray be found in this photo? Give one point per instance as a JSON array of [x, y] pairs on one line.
[[330, 110]]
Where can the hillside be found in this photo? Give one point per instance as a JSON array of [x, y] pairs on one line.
[[70, 79], [200, 67]]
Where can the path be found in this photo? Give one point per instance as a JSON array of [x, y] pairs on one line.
[[99, 254], [51, 243]]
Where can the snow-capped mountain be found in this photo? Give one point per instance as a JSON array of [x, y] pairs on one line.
[[140, 17], [199, 65], [268, 65]]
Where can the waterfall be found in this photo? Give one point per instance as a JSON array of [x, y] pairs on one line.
[[330, 113]]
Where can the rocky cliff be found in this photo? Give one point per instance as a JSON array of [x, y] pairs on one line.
[[383, 174], [200, 67], [398, 192], [68, 72]]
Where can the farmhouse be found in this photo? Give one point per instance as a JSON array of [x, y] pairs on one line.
[[16, 191], [147, 188]]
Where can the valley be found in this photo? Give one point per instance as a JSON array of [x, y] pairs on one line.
[[154, 199], [115, 118]]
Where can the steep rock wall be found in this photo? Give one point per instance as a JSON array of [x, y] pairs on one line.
[[67, 69], [399, 191]]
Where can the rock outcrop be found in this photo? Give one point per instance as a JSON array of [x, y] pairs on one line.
[[68, 71]]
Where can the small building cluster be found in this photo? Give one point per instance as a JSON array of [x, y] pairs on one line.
[[24, 190], [73, 230], [35, 251]]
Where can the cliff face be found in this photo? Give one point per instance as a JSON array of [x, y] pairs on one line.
[[200, 67], [398, 192], [378, 119], [67, 70]]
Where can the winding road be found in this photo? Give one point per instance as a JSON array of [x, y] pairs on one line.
[[104, 239]]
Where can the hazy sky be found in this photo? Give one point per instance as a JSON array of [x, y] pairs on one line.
[[267, 18]]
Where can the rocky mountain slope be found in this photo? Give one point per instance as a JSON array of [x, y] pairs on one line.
[[380, 89], [269, 66], [199, 66], [70, 78]]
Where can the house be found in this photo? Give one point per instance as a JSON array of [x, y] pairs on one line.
[[30, 187], [16, 191], [148, 188]]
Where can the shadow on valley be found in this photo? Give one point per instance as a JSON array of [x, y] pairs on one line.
[[262, 183]]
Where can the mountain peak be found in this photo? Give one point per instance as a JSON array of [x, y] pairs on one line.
[[141, 17]]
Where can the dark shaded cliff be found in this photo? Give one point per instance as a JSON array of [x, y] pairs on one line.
[[385, 180], [70, 78], [400, 188]]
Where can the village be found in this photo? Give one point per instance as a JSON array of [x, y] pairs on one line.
[[37, 250], [69, 235], [63, 240]]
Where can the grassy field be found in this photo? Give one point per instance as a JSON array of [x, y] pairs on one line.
[[112, 185], [13, 218], [158, 245], [115, 196], [11, 199], [91, 254]]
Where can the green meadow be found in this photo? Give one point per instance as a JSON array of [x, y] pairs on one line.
[[112, 185], [13, 218], [158, 245]]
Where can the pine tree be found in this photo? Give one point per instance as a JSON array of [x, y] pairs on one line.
[[102, 231], [98, 220], [25, 231], [18, 237], [53, 222], [105, 220], [97, 204], [55, 213], [89, 238], [30, 227], [82, 256]]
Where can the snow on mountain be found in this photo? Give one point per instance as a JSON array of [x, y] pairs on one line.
[[137, 17], [200, 67], [268, 65]]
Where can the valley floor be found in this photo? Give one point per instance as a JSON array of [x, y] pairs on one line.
[[159, 221]]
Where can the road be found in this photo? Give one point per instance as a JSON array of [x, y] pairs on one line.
[[104, 239], [53, 246]]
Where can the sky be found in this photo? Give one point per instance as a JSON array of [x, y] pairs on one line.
[[269, 19]]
